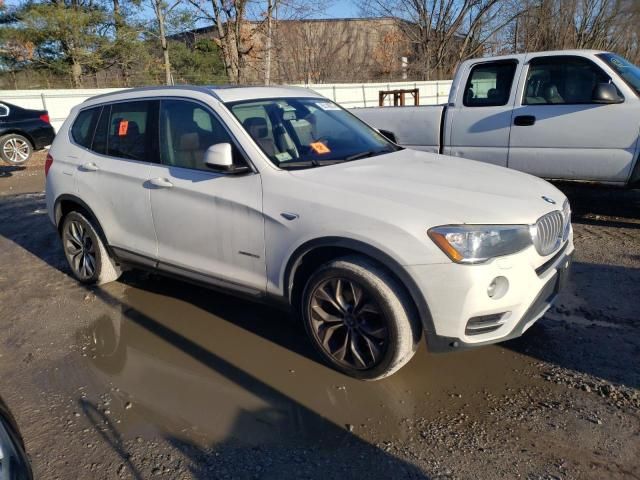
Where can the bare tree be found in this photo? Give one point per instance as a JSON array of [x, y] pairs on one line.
[[443, 32], [162, 10]]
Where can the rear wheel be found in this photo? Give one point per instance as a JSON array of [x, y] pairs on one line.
[[87, 256], [15, 149], [359, 318]]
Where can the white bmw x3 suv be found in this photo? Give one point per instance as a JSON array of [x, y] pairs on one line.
[[280, 194]]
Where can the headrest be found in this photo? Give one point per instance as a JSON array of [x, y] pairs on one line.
[[133, 129], [551, 92], [189, 141], [256, 126]]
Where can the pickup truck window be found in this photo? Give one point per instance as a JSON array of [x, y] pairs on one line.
[[308, 132], [489, 84], [562, 80], [629, 72]]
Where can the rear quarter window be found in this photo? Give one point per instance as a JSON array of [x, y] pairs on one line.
[[84, 126]]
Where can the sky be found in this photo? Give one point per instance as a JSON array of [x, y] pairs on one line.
[[344, 9]]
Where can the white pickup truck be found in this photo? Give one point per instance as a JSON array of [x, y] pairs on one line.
[[572, 115]]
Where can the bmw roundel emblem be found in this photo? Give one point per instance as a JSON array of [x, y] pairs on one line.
[[549, 200]]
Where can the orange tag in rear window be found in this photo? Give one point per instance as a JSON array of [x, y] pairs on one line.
[[319, 147], [123, 127]]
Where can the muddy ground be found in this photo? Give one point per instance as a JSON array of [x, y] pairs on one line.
[[153, 378]]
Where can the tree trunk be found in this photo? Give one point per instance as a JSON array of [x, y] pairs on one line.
[[160, 15], [267, 58], [76, 74]]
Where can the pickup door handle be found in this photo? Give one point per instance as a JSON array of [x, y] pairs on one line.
[[90, 167], [524, 120], [161, 183]]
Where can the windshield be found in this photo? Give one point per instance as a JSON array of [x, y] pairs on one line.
[[308, 132], [629, 72]]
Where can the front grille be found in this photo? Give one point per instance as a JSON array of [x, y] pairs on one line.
[[549, 232], [485, 323]]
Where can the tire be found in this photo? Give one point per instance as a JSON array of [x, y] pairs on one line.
[[372, 326], [88, 258], [15, 149]]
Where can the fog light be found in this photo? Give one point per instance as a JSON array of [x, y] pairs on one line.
[[498, 288]]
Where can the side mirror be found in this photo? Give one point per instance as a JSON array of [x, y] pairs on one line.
[[606, 93], [389, 135], [14, 463], [220, 157]]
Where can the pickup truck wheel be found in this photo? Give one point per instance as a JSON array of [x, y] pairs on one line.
[[87, 256], [15, 149], [358, 318]]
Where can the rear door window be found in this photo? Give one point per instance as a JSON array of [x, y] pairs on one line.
[[130, 133], [4, 110], [489, 84], [84, 126]]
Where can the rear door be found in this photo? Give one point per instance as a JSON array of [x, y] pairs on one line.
[[209, 224], [478, 124], [114, 164], [558, 132]]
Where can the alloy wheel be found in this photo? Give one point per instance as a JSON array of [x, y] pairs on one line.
[[348, 323], [16, 150], [80, 250]]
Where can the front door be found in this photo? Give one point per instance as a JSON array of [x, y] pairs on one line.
[[558, 132], [209, 224], [480, 122]]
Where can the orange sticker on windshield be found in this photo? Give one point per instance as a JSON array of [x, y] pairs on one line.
[[319, 147], [123, 127]]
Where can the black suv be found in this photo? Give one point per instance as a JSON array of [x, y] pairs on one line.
[[22, 131]]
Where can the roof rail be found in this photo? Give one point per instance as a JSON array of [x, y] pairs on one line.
[[197, 88]]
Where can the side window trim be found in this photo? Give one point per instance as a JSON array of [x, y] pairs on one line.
[[95, 127], [4, 110], [559, 59], [508, 61], [234, 141]]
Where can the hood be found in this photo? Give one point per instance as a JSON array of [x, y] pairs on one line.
[[449, 189]]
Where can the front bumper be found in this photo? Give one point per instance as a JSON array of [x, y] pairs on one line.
[[456, 294]]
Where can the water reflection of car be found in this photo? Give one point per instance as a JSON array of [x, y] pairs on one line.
[[280, 194], [14, 463], [179, 386]]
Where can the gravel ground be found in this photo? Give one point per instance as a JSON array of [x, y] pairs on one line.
[[149, 377]]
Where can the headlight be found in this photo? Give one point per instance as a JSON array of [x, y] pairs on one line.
[[479, 243]]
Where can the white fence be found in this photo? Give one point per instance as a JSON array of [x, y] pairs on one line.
[[60, 102]]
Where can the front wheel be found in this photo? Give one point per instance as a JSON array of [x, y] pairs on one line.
[[86, 253], [359, 318], [15, 149]]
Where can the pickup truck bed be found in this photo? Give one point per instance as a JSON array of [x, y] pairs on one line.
[[419, 128]]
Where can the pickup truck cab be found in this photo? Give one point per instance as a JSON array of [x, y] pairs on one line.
[[571, 115]]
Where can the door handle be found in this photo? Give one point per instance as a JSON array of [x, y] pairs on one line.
[[524, 120], [161, 182], [90, 167]]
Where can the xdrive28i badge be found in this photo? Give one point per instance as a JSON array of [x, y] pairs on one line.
[[549, 200]]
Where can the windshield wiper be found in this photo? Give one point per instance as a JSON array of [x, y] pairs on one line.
[[298, 164], [357, 156], [368, 153]]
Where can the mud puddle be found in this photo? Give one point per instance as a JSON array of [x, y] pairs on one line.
[[209, 368]]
